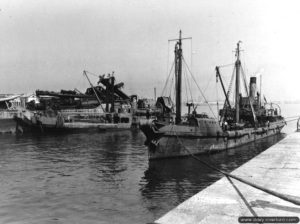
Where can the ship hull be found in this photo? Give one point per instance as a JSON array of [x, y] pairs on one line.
[[28, 122], [96, 126], [24, 126], [178, 145], [7, 123]]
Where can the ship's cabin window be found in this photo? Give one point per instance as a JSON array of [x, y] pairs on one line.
[[124, 120], [193, 122]]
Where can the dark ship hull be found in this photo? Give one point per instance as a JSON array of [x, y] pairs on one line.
[[177, 142]]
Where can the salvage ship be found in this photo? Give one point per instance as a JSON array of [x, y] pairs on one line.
[[174, 135], [101, 107]]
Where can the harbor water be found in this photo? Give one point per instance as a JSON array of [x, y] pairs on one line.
[[104, 177]]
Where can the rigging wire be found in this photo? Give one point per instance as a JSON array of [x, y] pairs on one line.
[[229, 91], [92, 73], [167, 81], [292, 117], [244, 60], [231, 82], [80, 83], [200, 90], [230, 86], [96, 94], [171, 86], [174, 92], [245, 81], [227, 65], [190, 89], [204, 91], [217, 99], [187, 97], [191, 54], [168, 58]]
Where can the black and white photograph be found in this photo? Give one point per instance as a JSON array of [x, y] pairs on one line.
[[147, 111]]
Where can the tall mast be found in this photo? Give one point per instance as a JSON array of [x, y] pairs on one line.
[[260, 82], [178, 72], [237, 84]]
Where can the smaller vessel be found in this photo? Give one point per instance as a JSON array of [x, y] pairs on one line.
[[71, 120], [74, 111], [248, 120], [7, 112]]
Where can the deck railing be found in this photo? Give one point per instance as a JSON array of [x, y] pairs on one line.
[[82, 111], [91, 113], [6, 114]]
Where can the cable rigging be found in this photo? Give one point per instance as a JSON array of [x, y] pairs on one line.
[[167, 81], [199, 89]]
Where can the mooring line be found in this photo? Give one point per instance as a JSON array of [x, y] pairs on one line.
[[293, 199], [242, 197], [292, 120], [293, 117]]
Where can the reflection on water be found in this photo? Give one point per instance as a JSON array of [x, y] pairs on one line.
[[100, 178], [77, 178]]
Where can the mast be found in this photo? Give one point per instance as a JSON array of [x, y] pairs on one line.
[[237, 84], [260, 82], [178, 74]]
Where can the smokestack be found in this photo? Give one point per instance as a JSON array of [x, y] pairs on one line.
[[252, 87]]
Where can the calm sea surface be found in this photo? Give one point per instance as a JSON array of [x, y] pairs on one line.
[[103, 177]]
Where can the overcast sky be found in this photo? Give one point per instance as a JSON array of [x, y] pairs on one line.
[[47, 44]]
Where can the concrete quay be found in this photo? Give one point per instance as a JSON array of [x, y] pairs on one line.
[[277, 168]]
